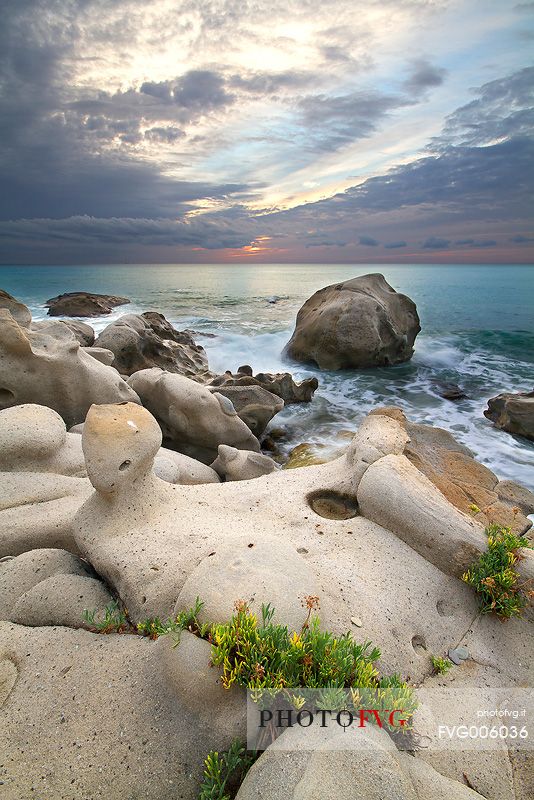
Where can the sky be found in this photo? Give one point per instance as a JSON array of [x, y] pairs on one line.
[[326, 131]]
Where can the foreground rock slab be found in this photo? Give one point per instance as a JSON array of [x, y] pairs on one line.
[[108, 723], [362, 322], [83, 304], [318, 765]]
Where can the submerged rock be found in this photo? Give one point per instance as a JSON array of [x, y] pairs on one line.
[[362, 322], [83, 304], [306, 455], [142, 341], [513, 412], [449, 391]]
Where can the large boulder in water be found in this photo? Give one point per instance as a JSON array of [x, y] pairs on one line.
[[142, 341], [513, 413], [362, 322], [83, 304]]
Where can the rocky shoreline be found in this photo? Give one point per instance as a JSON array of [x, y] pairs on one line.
[[133, 475]]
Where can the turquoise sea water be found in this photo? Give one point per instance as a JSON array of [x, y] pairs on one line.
[[477, 331]]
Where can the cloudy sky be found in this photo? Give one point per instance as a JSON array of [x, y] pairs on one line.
[[266, 130]]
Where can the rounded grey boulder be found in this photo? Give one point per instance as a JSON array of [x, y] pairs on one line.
[[362, 322]]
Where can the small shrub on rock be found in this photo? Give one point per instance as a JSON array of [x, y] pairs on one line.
[[494, 578], [441, 665], [224, 772], [115, 620]]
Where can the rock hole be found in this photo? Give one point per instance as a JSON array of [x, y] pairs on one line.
[[333, 505], [7, 397], [419, 645], [124, 465], [444, 608]]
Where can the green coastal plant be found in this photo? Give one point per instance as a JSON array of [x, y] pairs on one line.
[[494, 577], [441, 665], [153, 627], [267, 655], [115, 620], [224, 772], [267, 658]]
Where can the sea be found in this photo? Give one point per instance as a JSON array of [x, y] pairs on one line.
[[477, 332]]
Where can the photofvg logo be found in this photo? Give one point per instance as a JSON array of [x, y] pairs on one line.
[[435, 719], [328, 712]]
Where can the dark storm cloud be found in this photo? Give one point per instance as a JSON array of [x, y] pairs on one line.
[[368, 241], [424, 76], [476, 243], [394, 245], [195, 232], [519, 239], [49, 166], [196, 91], [195, 94], [435, 243], [492, 179], [504, 109], [330, 121]]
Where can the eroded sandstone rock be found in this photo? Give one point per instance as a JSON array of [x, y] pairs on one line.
[[318, 764], [18, 311], [241, 465], [36, 367], [194, 420], [82, 332], [253, 404], [465, 482], [142, 341], [20, 575], [280, 383], [33, 438]]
